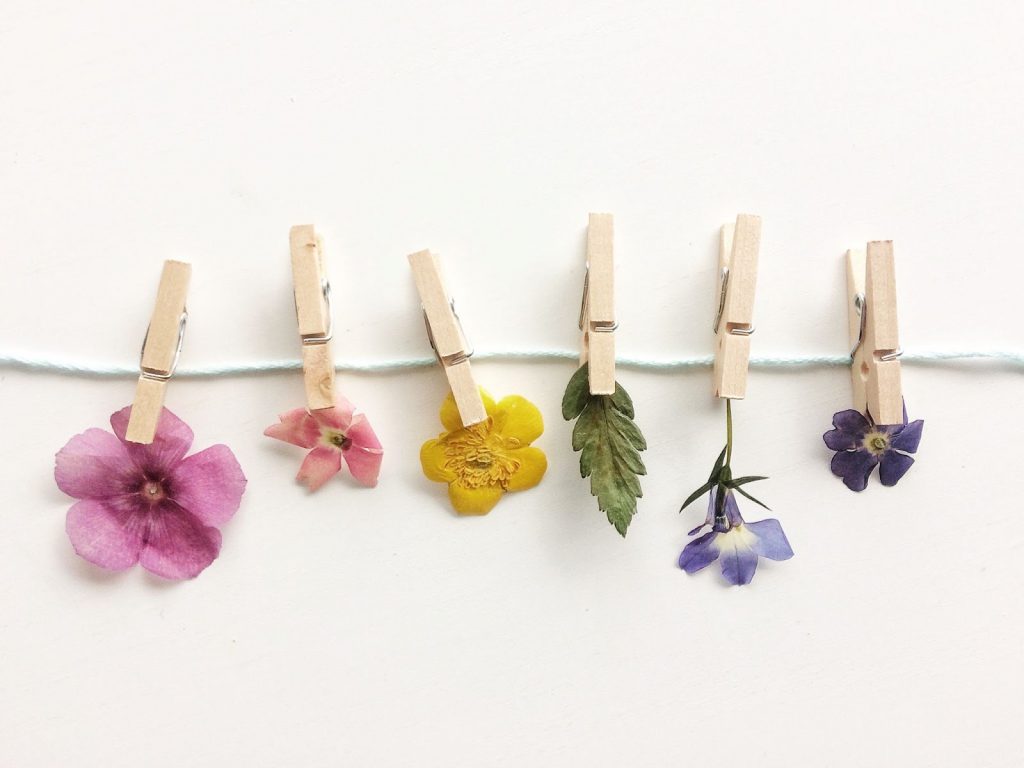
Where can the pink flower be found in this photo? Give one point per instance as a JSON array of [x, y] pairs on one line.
[[148, 504], [333, 434]]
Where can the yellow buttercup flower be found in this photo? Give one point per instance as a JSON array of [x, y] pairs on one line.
[[483, 461]]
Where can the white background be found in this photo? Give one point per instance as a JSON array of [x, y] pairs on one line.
[[359, 627]]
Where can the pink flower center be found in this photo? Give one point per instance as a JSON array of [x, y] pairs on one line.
[[152, 492]]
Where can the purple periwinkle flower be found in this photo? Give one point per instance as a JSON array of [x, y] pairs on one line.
[[860, 445], [734, 542]]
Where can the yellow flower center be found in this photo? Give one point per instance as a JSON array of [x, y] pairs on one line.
[[479, 457]]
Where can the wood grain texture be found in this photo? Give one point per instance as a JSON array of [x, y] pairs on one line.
[[159, 351], [598, 343], [313, 314], [739, 247], [449, 342], [877, 383]]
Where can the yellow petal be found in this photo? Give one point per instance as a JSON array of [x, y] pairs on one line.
[[532, 466], [433, 459], [450, 413], [474, 501], [517, 418]]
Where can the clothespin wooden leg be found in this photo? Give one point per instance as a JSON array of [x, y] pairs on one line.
[[313, 312], [597, 318], [447, 338], [874, 332], [160, 352], [739, 246]]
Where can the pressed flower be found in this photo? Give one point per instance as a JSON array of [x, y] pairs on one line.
[[482, 462], [148, 504], [334, 434], [736, 544], [861, 445]]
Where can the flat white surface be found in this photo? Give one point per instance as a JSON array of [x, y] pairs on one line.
[[374, 628]]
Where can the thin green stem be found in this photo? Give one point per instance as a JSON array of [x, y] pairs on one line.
[[728, 432]]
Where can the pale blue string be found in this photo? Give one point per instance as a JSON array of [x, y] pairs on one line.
[[35, 364]]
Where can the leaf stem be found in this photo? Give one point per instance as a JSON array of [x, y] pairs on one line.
[[728, 431]]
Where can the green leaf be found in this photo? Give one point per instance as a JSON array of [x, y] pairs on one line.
[[737, 482], [744, 493], [609, 443], [719, 463], [577, 394], [696, 495]]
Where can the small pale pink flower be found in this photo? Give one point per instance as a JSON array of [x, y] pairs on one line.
[[148, 504], [333, 434]]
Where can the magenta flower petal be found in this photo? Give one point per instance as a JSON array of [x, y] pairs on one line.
[[339, 417], [209, 484], [319, 466], [296, 427], [99, 533], [93, 465], [172, 440], [178, 545]]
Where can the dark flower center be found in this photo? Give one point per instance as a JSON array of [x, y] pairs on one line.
[[876, 442], [339, 440], [152, 491]]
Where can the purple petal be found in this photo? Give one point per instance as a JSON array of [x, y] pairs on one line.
[[93, 465], [838, 440], [894, 465], [99, 532], [172, 440], [908, 438], [770, 541], [739, 561], [854, 467], [209, 484], [732, 510], [852, 422], [178, 545], [699, 553]]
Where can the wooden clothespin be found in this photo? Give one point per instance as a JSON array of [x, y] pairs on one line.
[[313, 311], [597, 312], [160, 351], [737, 282], [874, 332], [444, 330]]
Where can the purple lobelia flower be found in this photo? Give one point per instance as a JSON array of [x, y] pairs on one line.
[[148, 504], [735, 543], [860, 445], [731, 540]]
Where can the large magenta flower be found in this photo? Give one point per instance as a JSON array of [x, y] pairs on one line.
[[333, 434], [148, 504]]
